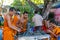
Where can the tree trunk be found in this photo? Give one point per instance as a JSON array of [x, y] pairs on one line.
[[33, 5], [47, 6]]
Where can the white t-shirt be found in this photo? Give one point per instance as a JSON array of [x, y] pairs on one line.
[[37, 19]]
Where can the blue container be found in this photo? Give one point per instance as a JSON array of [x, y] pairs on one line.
[[0, 34], [31, 30], [58, 38]]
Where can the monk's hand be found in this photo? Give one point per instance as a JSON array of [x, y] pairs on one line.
[[48, 31]]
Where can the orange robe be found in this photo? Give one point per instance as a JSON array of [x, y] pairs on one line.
[[15, 22], [56, 31], [8, 33], [24, 25]]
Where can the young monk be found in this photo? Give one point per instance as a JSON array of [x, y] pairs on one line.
[[17, 18], [9, 25], [23, 22], [54, 31], [17, 21]]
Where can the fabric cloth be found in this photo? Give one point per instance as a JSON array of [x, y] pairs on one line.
[[44, 28], [57, 14], [24, 25], [8, 33], [56, 31]]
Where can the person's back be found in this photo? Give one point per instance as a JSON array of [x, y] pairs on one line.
[[37, 19]]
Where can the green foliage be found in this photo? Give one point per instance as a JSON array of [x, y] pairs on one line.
[[38, 2], [23, 5]]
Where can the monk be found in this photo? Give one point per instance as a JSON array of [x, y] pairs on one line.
[[23, 22], [54, 31], [17, 19], [9, 25], [16, 22]]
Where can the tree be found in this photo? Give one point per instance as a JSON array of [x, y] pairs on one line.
[[38, 2], [1, 2], [32, 3], [47, 7], [29, 4], [23, 5]]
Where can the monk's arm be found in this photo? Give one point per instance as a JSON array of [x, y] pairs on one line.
[[10, 25], [18, 22], [52, 33]]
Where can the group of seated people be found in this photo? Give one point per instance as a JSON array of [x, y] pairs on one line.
[[52, 29], [14, 22]]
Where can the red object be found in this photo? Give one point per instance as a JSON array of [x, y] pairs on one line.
[[44, 28]]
